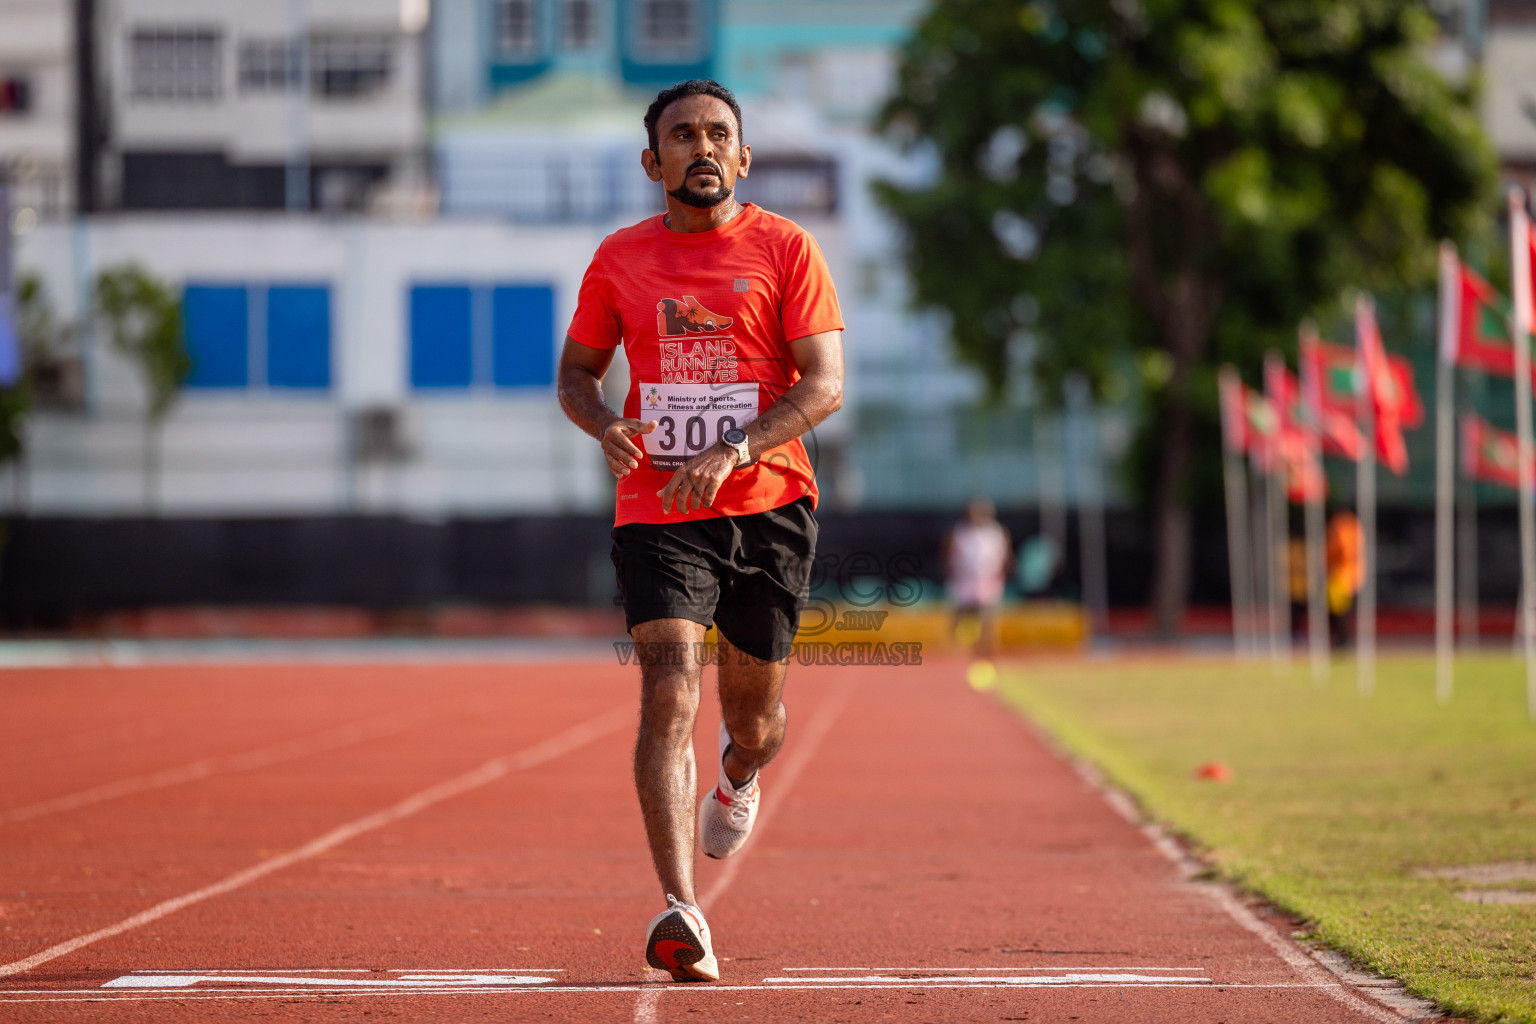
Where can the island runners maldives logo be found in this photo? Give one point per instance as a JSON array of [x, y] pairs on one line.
[[704, 361]]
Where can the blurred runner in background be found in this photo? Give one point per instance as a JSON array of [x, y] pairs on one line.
[[977, 557]]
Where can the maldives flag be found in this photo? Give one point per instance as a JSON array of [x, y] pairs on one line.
[[1481, 338], [1234, 415], [1294, 439], [1388, 399], [1260, 427], [1488, 453], [1328, 390]]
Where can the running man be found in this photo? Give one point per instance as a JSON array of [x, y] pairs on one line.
[[732, 330]]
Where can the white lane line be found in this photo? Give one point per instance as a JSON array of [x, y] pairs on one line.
[[1053, 967], [997, 979], [261, 757], [404, 980], [151, 971], [235, 995], [562, 743], [815, 731], [1315, 976]]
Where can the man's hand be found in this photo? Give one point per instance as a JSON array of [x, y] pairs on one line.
[[621, 453], [695, 484]]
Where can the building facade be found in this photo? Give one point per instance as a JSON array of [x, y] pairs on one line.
[[37, 107], [223, 105]]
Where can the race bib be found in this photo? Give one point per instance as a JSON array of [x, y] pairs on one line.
[[692, 417]]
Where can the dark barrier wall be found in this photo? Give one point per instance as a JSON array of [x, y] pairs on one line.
[[53, 568]]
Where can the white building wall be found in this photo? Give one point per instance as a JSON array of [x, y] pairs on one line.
[[255, 451], [36, 39], [260, 127]]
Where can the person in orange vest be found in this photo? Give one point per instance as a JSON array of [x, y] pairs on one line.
[[1346, 570]]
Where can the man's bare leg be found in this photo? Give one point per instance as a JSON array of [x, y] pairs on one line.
[[665, 775], [751, 702]]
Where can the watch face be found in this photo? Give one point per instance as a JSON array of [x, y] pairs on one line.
[[734, 436]]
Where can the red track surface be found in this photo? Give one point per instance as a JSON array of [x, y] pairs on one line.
[[921, 857]]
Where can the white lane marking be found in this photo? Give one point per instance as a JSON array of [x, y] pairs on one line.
[[346, 970], [236, 995], [815, 731], [1315, 976], [1052, 967], [261, 757], [562, 743], [997, 979], [403, 980]]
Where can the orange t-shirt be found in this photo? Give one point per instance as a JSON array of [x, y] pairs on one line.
[[706, 319]]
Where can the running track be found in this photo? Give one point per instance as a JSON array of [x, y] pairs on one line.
[[314, 842]]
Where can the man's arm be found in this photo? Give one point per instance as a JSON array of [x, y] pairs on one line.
[[580, 386], [815, 396]]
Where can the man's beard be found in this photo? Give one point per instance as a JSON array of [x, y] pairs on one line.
[[702, 199]]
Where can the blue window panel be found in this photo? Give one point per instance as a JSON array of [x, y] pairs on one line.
[[523, 336], [442, 342], [299, 336], [216, 320]]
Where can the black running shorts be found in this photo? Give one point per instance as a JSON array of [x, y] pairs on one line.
[[749, 575]]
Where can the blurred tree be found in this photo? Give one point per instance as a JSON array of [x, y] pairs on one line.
[[1172, 184], [142, 316]]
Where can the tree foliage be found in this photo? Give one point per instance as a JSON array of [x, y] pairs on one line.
[[1172, 184], [142, 316]]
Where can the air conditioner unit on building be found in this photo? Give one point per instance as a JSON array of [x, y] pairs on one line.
[[382, 433]]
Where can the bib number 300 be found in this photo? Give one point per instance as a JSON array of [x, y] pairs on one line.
[[692, 417]]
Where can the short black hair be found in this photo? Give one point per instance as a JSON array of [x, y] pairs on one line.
[[692, 87]]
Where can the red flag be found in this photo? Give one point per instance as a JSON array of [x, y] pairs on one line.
[[1488, 453], [1328, 389], [1297, 450], [1261, 428], [1388, 399], [1481, 340]]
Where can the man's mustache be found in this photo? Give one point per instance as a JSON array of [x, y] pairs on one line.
[[705, 165]]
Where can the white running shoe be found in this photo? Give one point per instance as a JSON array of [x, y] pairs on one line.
[[727, 813], [677, 941]]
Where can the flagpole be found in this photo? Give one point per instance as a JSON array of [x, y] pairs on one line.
[[1317, 563], [1258, 531], [1520, 267], [1365, 501], [1278, 526], [1445, 462], [1236, 485]]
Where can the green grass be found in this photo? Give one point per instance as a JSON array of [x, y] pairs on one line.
[[1334, 801]]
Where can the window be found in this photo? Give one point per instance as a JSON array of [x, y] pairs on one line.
[[217, 324], [177, 64], [258, 335], [267, 65], [466, 336], [578, 24], [15, 94], [669, 26], [517, 27], [349, 65]]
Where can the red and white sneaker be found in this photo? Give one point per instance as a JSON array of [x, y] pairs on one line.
[[677, 941], [727, 813]]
